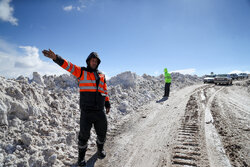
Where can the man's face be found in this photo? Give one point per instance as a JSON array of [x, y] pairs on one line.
[[93, 63]]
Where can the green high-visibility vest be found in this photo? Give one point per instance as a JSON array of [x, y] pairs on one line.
[[168, 77]]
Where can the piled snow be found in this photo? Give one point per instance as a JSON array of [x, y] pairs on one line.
[[39, 118], [37, 78], [245, 84], [129, 91]]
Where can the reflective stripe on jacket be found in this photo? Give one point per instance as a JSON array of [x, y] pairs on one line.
[[91, 94]]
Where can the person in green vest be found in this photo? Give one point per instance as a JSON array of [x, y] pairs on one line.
[[168, 80]]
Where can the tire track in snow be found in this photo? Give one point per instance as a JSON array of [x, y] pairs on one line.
[[187, 151], [198, 142], [216, 152]]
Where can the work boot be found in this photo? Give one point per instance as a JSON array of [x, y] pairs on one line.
[[100, 152], [81, 157]]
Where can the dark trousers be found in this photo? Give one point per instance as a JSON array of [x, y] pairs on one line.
[[89, 118], [167, 89]]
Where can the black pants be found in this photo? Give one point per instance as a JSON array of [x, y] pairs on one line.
[[167, 89], [89, 118]]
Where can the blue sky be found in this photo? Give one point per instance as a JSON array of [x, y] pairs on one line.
[[142, 36]]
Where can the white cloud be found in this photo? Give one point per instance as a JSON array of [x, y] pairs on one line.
[[185, 71], [82, 4], [79, 6], [239, 71], [68, 8], [24, 62], [6, 12]]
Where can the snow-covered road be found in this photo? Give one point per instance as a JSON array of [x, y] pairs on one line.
[[185, 130]]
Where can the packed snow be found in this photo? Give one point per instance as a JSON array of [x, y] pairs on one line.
[[39, 117]]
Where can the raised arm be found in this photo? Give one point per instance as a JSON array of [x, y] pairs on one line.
[[73, 69]]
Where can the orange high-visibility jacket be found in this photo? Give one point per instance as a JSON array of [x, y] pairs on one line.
[[92, 96]]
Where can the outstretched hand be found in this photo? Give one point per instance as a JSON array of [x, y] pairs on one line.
[[50, 54]]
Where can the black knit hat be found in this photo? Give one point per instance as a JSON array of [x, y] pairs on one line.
[[93, 55]]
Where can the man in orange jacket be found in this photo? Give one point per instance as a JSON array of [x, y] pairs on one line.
[[93, 98]]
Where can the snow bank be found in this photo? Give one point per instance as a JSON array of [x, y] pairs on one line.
[[39, 118]]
